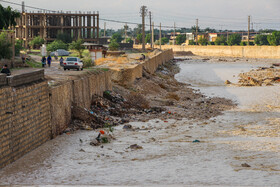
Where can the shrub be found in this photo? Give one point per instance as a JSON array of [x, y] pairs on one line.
[[36, 42], [18, 47], [5, 46], [87, 62], [78, 46], [57, 44], [203, 41], [114, 46], [261, 40], [220, 40], [274, 39], [234, 39]]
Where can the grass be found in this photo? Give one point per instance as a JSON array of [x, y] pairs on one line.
[[33, 63]]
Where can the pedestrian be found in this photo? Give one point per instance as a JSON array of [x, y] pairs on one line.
[[104, 52], [6, 70], [49, 59], [61, 61], [43, 61], [23, 59]]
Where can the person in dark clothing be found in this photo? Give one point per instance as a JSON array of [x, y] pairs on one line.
[[6, 70], [61, 61], [43, 61], [49, 59]]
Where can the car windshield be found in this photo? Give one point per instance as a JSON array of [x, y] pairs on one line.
[[72, 59]]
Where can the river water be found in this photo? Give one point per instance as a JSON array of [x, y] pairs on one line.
[[247, 134]]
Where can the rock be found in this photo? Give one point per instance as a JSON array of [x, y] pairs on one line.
[[245, 165], [196, 141], [81, 150], [127, 127], [135, 147], [94, 143], [227, 82]]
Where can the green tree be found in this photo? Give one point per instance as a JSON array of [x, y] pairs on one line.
[[129, 40], [193, 29], [221, 40], [209, 30], [203, 41], [7, 17], [5, 46], [192, 42], [18, 47], [148, 38], [65, 37], [78, 46], [274, 38], [164, 40], [117, 37], [180, 39], [55, 45], [234, 39], [114, 45], [261, 40], [36, 42], [139, 38]]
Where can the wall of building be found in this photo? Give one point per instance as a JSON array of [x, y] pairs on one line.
[[272, 52]]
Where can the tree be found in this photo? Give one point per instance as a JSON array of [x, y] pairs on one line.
[[78, 46], [209, 30], [148, 38], [274, 38], [139, 38], [164, 40], [129, 40], [7, 17], [5, 46], [221, 40], [234, 39], [114, 45], [117, 37], [193, 29], [36, 42], [261, 40], [18, 47], [65, 37], [180, 39], [202, 41], [55, 45]]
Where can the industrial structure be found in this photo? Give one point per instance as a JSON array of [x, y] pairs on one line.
[[49, 24]]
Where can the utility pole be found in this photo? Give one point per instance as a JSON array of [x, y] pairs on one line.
[[22, 7], [143, 12], [104, 29], [196, 32], [150, 15], [248, 40], [160, 36], [153, 39], [227, 36], [125, 32], [174, 35]]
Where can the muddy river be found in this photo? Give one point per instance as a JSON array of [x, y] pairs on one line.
[[240, 147]]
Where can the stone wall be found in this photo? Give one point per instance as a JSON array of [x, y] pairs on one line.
[[272, 52], [24, 120]]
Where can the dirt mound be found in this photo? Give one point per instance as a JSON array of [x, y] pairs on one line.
[[183, 53]]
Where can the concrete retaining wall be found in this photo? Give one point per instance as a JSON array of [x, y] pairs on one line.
[[78, 92], [129, 75], [272, 52]]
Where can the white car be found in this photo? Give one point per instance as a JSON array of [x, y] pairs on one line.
[[73, 63]]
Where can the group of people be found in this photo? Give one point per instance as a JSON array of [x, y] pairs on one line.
[[49, 61]]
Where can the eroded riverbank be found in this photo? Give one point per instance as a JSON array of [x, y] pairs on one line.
[[247, 134]]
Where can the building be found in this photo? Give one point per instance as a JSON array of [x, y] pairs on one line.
[[48, 24]]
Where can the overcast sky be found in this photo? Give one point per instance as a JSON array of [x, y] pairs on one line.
[[225, 14]]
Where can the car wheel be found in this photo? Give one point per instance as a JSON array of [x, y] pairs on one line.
[[64, 69], [78, 69], [82, 69]]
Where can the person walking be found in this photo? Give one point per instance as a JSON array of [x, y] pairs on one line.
[[49, 59], [43, 61], [61, 61]]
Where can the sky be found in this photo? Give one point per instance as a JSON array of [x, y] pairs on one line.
[[218, 14]]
